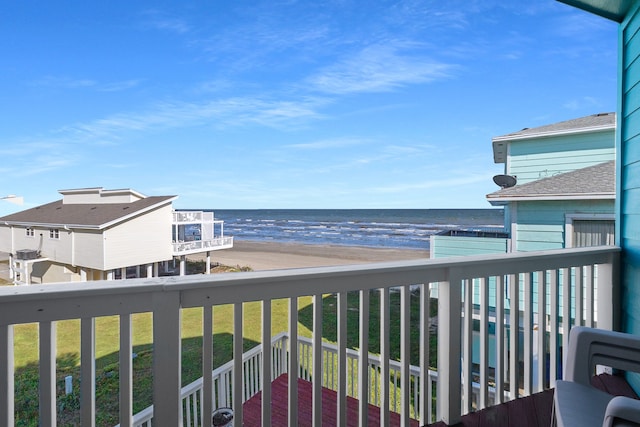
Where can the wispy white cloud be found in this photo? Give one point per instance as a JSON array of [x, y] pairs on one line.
[[71, 83], [581, 103], [328, 143], [118, 86], [158, 20], [379, 68], [220, 113]]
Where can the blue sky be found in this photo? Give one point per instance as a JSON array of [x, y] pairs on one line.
[[288, 104]]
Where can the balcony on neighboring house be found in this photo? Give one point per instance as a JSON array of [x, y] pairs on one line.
[[489, 345], [198, 231]]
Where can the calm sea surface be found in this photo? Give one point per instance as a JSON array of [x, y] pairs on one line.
[[391, 228]]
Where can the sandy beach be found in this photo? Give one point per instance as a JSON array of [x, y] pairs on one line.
[[273, 255]]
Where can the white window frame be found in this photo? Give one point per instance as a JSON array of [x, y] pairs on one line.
[[54, 233], [30, 232], [568, 225]]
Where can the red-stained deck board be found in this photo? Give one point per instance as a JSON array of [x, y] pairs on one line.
[[252, 408]]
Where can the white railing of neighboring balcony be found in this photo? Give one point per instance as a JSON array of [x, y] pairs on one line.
[[570, 273], [196, 245]]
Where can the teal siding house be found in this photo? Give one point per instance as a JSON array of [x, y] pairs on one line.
[[627, 14], [558, 189]]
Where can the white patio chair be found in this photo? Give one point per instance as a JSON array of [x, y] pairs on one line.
[[576, 402]]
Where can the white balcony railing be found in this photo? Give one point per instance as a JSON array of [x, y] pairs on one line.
[[183, 248], [546, 291]]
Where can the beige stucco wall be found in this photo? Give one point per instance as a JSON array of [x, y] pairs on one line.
[[50, 272]]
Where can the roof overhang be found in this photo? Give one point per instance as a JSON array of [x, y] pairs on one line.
[[615, 10], [497, 200]]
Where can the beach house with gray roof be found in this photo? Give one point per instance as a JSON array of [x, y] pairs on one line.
[[95, 234], [561, 190]]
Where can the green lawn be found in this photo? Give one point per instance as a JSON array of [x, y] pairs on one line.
[[107, 329]]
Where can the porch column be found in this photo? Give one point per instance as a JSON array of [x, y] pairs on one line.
[[138, 271], [83, 275], [110, 275], [449, 351], [150, 270], [183, 265], [123, 273], [156, 269], [27, 274], [167, 359], [207, 269]]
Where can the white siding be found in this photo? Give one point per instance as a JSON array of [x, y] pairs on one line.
[[141, 240], [89, 249]]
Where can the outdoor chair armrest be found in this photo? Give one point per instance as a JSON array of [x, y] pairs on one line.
[[589, 347], [622, 411]]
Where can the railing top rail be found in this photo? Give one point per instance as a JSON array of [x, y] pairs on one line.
[[99, 298]]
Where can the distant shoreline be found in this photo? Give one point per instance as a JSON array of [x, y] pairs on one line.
[[260, 255]]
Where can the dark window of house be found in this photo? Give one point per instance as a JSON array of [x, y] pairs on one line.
[[593, 233]]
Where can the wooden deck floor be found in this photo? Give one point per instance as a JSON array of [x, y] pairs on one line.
[[251, 413], [532, 411]]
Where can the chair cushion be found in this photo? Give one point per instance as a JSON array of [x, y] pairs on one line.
[[579, 405]]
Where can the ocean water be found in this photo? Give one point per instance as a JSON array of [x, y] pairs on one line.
[[389, 228]]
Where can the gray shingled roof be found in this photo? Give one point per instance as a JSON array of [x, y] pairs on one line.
[[588, 122], [90, 215], [597, 181]]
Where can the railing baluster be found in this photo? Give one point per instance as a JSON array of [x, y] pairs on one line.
[[7, 391], [500, 335], [342, 359], [294, 364], [47, 374], [527, 351], [405, 353], [553, 328], [423, 406], [237, 384], [126, 372], [484, 343], [542, 328], [589, 298], [384, 355], [317, 361], [467, 347], [363, 366], [206, 401], [88, 371], [566, 311], [514, 341], [265, 370], [579, 298]]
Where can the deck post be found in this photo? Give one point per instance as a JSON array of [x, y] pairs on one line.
[[207, 268], [166, 359], [449, 322], [608, 289]]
